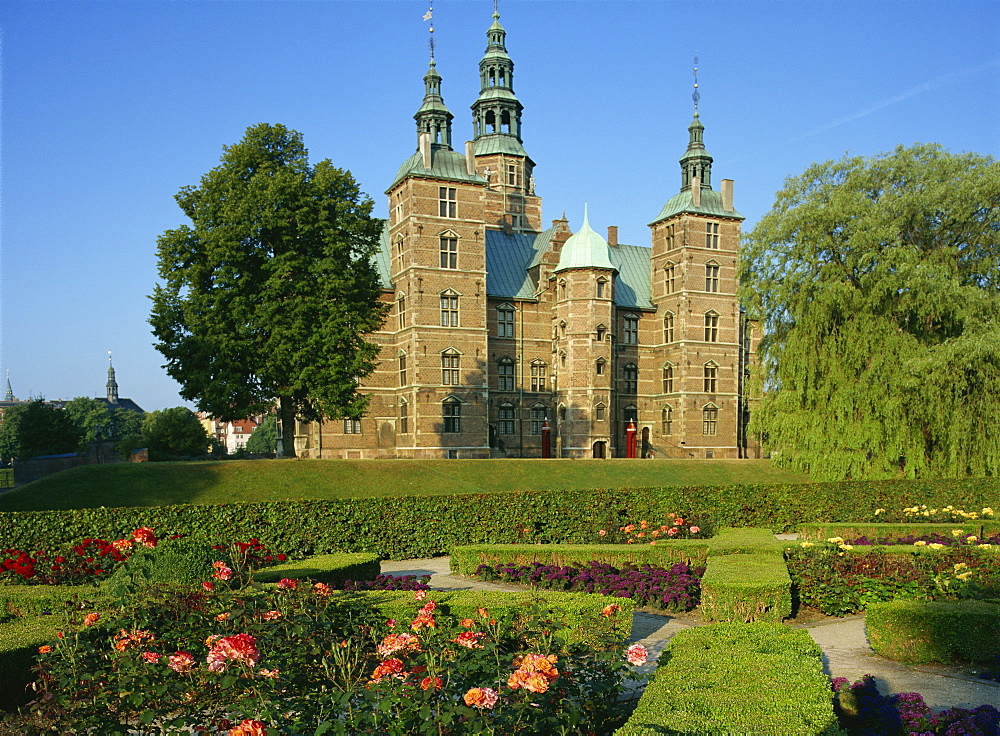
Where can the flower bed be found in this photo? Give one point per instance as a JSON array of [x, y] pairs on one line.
[[671, 589], [862, 709], [309, 660], [840, 579]]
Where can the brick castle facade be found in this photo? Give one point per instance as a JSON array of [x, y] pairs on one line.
[[509, 339]]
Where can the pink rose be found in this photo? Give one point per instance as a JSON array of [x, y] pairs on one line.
[[695, 529], [287, 584], [181, 662], [637, 654]]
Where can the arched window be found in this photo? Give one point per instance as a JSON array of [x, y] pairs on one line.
[[401, 310], [562, 413], [711, 373], [451, 414], [505, 419], [670, 278], [539, 413], [602, 285], [538, 370], [709, 419], [712, 276], [600, 366], [505, 375], [451, 363], [668, 378], [712, 326], [562, 289], [668, 327], [602, 331], [402, 368], [630, 378], [449, 308], [404, 416], [600, 412], [449, 249], [667, 417]]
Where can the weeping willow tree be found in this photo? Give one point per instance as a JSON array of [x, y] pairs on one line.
[[877, 283]]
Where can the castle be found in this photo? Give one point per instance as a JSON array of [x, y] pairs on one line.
[[509, 339]]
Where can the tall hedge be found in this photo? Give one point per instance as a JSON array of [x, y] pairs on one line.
[[400, 528]]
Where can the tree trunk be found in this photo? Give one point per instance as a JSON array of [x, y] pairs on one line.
[[286, 413]]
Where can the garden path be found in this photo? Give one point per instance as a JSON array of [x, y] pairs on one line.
[[845, 648]]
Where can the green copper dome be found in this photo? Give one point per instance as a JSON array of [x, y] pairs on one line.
[[585, 249]]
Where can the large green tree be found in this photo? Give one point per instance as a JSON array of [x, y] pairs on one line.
[[37, 428], [265, 438], [877, 282], [100, 421], [174, 433], [269, 292]]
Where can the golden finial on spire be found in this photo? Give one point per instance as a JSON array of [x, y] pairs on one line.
[[429, 15]]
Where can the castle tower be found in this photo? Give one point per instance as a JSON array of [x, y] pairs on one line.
[[112, 384], [584, 316], [437, 265], [500, 156], [695, 243]]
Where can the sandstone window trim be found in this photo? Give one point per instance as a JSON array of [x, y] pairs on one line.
[[451, 365], [710, 420], [447, 202], [451, 415], [505, 374]]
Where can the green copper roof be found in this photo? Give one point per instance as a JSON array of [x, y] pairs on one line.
[[499, 143], [584, 249], [381, 258], [711, 204], [445, 164]]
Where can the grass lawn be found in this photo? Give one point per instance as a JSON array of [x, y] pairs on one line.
[[160, 484]]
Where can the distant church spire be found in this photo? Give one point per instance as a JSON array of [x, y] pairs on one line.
[[112, 384], [9, 396], [433, 117], [696, 161]]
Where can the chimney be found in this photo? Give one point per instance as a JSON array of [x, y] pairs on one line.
[[425, 149], [470, 158], [695, 190], [727, 195], [612, 235]]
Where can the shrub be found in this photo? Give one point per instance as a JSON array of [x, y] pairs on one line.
[[934, 631], [734, 678], [745, 588], [466, 559], [183, 561], [333, 569]]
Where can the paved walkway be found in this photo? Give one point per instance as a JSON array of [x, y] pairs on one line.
[[845, 648]]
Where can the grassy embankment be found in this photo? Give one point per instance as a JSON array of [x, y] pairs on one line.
[[159, 484]]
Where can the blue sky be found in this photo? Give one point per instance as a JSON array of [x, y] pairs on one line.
[[108, 108]]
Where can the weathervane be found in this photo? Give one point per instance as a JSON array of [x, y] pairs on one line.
[[696, 95], [429, 15]]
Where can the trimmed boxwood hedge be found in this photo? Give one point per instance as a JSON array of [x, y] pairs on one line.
[[385, 525], [746, 588], [934, 631], [888, 531], [737, 678], [465, 560], [330, 569], [19, 642]]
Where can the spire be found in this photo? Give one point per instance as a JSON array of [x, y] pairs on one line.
[[112, 384], [696, 161], [497, 112], [9, 396], [433, 117]]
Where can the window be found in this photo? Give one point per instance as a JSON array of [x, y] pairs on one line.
[[451, 412], [539, 413], [709, 420], [601, 332], [711, 377], [447, 203], [601, 363], [449, 309], [600, 412], [538, 376], [630, 378], [505, 322], [562, 289], [631, 332], [668, 378], [712, 235], [668, 327], [712, 327], [449, 251], [450, 363], [667, 417], [670, 237], [630, 414], [402, 369], [602, 284], [711, 277], [401, 310], [512, 175], [505, 375], [505, 414], [352, 426], [669, 275], [404, 417]]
